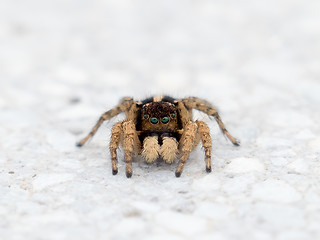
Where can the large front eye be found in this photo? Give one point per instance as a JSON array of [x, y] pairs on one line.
[[165, 120], [154, 120]]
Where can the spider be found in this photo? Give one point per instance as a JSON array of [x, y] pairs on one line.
[[159, 127]]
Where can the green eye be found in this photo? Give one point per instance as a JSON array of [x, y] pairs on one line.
[[165, 120], [154, 120], [145, 116], [173, 115]]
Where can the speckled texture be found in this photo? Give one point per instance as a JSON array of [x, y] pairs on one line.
[[64, 62]]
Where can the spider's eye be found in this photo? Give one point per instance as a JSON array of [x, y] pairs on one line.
[[145, 116], [165, 120], [154, 120], [173, 115]]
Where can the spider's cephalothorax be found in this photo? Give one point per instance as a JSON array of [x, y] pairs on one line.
[[160, 127], [159, 116]]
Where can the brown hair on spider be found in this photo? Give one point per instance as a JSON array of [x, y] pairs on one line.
[[159, 116], [159, 127]]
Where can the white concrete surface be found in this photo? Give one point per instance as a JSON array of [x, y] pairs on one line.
[[62, 63]]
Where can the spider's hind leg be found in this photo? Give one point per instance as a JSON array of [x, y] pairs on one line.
[[124, 105], [206, 107]]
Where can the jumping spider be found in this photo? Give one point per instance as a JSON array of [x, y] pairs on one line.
[[159, 127]]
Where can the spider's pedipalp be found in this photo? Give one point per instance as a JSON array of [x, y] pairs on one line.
[[169, 149], [151, 149]]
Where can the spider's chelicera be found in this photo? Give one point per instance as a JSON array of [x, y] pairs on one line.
[[159, 127]]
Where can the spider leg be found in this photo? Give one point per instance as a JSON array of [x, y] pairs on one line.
[[122, 107], [116, 135], [131, 145], [186, 144], [204, 132], [206, 107]]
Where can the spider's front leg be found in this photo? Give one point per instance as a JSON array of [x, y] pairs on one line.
[[186, 144], [116, 135], [131, 145], [205, 137]]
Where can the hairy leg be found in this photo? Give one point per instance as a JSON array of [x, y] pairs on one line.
[[206, 107], [130, 144], [204, 133], [116, 135], [186, 144], [151, 149], [124, 105], [169, 149]]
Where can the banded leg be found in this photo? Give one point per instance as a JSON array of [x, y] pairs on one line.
[[186, 144], [204, 132], [130, 146], [116, 134], [206, 107], [122, 107]]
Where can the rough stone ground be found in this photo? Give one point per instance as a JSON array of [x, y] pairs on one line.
[[64, 62]]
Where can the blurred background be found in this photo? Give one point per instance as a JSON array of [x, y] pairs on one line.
[[64, 62], [93, 50]]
